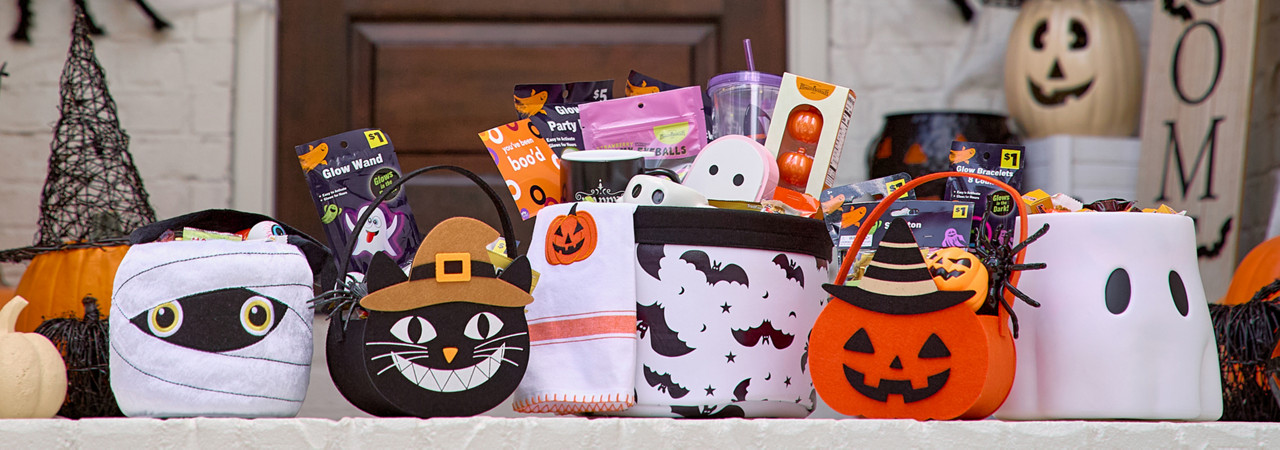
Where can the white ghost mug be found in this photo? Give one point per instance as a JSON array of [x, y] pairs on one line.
[[735, 168], [656, 191], [1123, 330]]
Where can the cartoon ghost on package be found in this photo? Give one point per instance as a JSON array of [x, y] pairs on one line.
[[448, 340], [897, 347], [214, 328]]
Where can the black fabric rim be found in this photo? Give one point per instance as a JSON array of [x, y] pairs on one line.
[[229, 220], [732, 228]]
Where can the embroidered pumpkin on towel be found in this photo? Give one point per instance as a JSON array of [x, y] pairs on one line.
[[571, 237]]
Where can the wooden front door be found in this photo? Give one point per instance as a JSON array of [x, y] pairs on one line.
[[433, 74]]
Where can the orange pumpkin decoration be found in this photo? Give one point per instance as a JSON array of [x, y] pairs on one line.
[[1260, 267], [954, 269], [805, 125], [943, 364], [571, 237], [907, 322], [897, 347], [794, 167], [56, 283]]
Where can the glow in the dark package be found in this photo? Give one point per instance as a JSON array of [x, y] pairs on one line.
[[347, 173]]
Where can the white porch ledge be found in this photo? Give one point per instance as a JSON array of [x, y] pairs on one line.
[[572, 432]]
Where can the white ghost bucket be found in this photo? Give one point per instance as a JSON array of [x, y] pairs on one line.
[[1123, 330]]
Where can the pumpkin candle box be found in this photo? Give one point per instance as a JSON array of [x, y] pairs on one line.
[[810, 140]]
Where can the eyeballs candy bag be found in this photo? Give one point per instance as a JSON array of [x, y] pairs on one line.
[[669, 124]]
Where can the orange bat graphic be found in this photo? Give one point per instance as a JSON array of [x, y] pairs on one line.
[[314, 157], [643, 88], [960, 157], [853, 218], [531, 105]]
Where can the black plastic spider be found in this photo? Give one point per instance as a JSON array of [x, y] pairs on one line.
[[343, 301], [1000, 257]]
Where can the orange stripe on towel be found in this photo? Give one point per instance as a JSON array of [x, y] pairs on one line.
[[572, 328]]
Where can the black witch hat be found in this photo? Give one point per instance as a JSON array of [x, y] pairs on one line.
[[898, 281], [93, 195]]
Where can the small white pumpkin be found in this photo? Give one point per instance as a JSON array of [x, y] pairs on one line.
[[1073, 67], [33, 378]]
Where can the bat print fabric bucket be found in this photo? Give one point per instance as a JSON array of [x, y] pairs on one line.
[[214, 328], [725, 301]]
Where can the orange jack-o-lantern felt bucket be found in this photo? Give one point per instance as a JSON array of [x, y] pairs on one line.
[[895, 346]]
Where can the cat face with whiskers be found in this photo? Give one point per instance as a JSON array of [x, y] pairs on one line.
[[449, 359]]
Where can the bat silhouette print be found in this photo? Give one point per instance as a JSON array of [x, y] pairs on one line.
[[765, 333], [652, 320], [664, 383], [790, 267], [715, 272]]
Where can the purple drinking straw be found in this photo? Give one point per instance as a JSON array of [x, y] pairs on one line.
[[751, 63]]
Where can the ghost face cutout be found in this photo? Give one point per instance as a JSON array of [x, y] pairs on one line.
[[1123, 330], [656, 191], [428, 363], [376, 234], [735, 168], [211, 328]]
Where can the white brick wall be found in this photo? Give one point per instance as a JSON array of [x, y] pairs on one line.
[[174, 96]]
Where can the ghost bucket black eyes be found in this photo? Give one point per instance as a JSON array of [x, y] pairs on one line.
[[348, 291]]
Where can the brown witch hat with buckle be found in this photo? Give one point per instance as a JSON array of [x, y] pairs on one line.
[[451, 265]]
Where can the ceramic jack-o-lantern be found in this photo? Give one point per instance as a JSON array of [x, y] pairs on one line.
[[571, 237], [33, 380], [1073, 67]]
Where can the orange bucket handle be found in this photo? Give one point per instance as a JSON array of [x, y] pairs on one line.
[[897, 193]]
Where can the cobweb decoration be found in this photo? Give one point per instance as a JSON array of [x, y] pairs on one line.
[[1246, 334], [93, 195]]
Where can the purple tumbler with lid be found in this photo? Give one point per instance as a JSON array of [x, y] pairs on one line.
[[742, 103]]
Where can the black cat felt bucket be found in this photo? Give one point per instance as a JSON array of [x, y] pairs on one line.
[[448, 339]]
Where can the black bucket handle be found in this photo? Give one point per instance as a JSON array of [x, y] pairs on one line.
[[508, 232]]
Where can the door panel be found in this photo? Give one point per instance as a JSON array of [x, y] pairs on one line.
[[434, 74]]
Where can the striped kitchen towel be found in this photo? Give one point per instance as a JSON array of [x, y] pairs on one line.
[[582, 323]]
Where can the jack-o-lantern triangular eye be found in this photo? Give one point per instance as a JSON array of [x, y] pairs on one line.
[[860, 342], [934, 348]]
